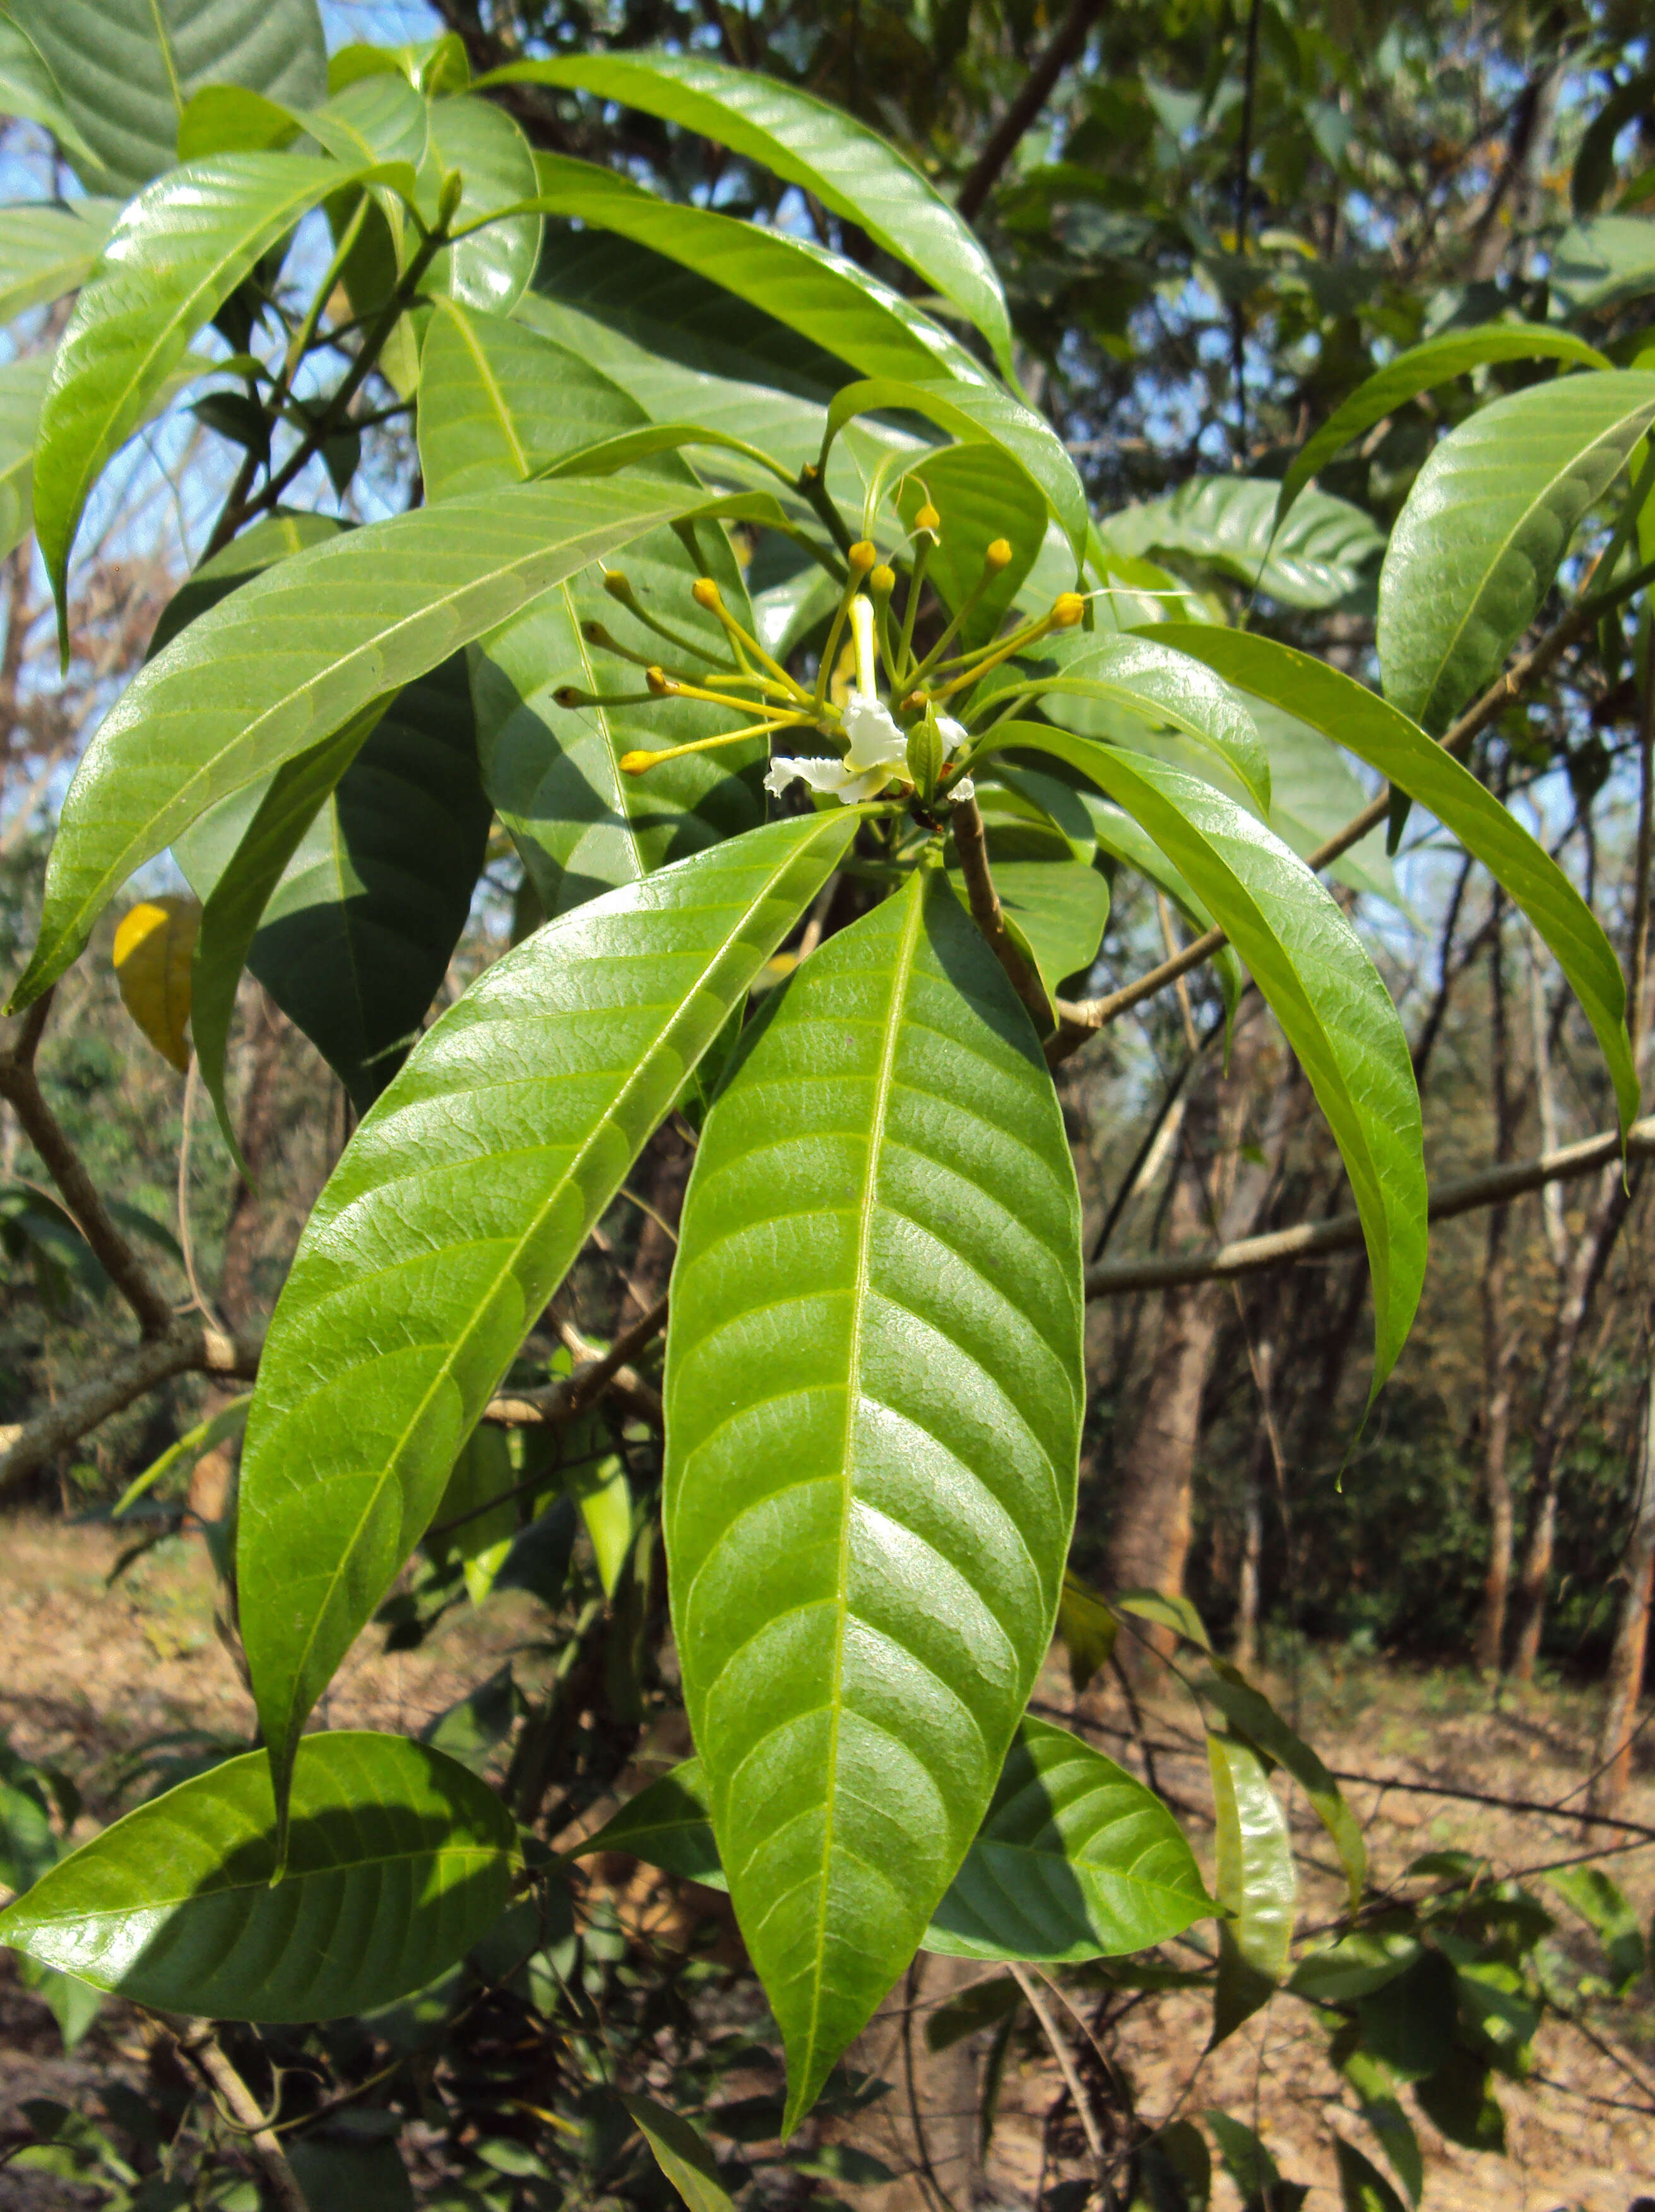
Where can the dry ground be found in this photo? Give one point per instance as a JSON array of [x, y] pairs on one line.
[[88, 1672]]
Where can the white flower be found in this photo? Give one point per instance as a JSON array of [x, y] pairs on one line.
[[959, 793], [876, 741], [952, 733], [839, 777]]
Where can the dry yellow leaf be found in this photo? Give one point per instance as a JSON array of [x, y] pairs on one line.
[[154, 946]]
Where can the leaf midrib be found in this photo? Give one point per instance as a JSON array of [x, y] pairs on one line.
[[444, 1371], [1577, 456], [885, 1083]]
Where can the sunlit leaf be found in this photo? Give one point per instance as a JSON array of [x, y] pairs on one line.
[[153, 944], [873, 1395], [1255, 1882]]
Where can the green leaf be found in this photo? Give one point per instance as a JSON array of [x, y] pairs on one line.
[[1460, 2104], [1175, 2171], [1408, 2022], [21, 383], [1317, 981], [978, 414], [237, 887], [368, 2177], [1061, 908], [1362, 2185], [272, 538], [871, 1445], [126, 73], [397, 1861], [173, 258], [1603, 263], [1074, 1860], [1607, 1910], [1087, 1629], [497, 401], [1386, 2117], [1486, 523], [1252, 1714], [47, 250], [1594, 173], [831, 302], [1128, 842], [476, 1498], [180, 1457], [681, 2154], [667, 1824], [1226, 527], [361, 613], [1377, 732], [28, 89], [1251, 2168], [1422, 368], [355, 933], [980, 2005], [981, 494], [1255, 1882], [812, 144], [491, 268], [1149, 679], [458, 1208]]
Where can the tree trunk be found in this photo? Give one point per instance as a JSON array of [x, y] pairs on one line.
[[1149, 1540], [1624, 1680], [1498, 1348], [1591, 1257]]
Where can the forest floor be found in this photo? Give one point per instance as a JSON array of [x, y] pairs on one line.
[[89, 1674]]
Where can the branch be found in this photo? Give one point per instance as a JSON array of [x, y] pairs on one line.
[[1343, 1232], [1078, 1018], [188, 1348], [202, 2048], [561, 1401], [986, 913], [1065, 47], [21, 1086]]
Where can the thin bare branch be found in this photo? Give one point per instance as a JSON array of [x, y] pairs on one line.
[[202, 2048], [21, 1085], [1065, 46], [973, 848], [563, 1400], [1342, 1232], [187, 1348]]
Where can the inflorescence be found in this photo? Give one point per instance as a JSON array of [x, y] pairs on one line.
[[903, 743]]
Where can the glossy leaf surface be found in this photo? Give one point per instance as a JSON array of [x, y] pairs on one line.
[[1486, 523], [873, 1392], [1255, 1883], [681, 2153], [1074, 1860], [830, 301], [849, 168], [453, 1216], [496, 402], [1226, 525], [1422, 368], [491, 268], [22, 383], [125, 73], [979, 413], [397, 1861], [1602, 261], [293, 655], [46, 250], [1155, 684], [1252, 1714], [174, 255], [1379, 733], [1320, 983], [28, 89], [1060, 907]]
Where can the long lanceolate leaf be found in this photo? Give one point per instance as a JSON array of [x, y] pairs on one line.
[[1373, 729], [174, 255], [1422, 368], [841, 308], [454, 1215], [873, 1404], [1320, 983], [294, 654], [1489, 517], [46, 251], [497, 401], [398, 1860], [849, 168]]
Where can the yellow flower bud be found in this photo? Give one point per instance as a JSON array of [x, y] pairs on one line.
[[862, 556], [1067, 610], [705, 593], [997, 556], [659, 683], [635, 763], [928, 519], [882, 581], [616, 584]]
